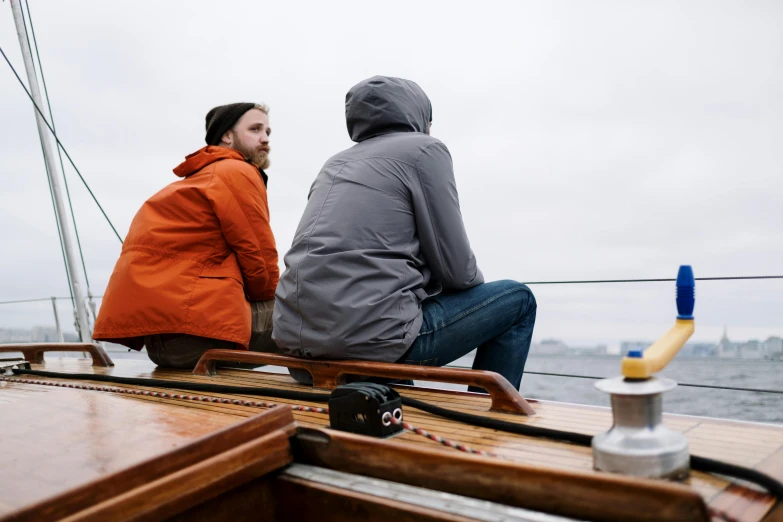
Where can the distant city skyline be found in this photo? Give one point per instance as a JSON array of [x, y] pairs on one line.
[[770, 347]]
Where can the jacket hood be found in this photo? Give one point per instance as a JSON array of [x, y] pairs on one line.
[[382, 104], [203, 157]]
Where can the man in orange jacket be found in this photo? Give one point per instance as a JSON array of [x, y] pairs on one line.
[[199, 263]]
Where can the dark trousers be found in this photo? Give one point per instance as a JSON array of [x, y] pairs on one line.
[[183, 351]]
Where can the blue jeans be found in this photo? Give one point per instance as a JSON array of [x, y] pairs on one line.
[[497, 318]]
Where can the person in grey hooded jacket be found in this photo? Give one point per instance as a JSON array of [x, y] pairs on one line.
[[380, 267]]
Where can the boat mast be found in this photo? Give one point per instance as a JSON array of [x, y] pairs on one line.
[[82, 324]]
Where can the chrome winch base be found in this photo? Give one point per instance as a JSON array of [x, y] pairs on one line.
[[638, 443]]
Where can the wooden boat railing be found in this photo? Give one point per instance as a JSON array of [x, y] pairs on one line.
[[328, 374], [34, 353]]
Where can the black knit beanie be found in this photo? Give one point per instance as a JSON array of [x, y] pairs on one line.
[[222, 118]]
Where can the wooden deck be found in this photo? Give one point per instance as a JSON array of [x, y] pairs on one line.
[[47, 452]]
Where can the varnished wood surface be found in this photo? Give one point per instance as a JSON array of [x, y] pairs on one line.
[[251, 502], [191, 486], [328, 374], [570, 493], [55, 439], [76, 499], [747, 444]]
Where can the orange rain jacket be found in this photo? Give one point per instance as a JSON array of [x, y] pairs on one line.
[[196, 252]]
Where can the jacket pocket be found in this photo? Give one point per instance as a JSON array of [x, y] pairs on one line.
[[228, 268], [214, 275]]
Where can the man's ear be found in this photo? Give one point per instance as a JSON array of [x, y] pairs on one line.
[[227, 139]]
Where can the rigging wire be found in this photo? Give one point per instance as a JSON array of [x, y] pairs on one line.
[[51, 189], [75, 168], [661, 280], [59, 228], [37, 300], [728, 278], [60, 156], [592, 377]]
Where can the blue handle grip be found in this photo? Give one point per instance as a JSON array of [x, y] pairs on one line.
[[686, 292]]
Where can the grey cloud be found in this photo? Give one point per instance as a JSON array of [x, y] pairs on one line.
[[590, 140]]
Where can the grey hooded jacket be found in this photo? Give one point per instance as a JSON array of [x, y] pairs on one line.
[[381, 232]]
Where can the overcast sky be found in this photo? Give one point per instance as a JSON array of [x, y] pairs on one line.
[[590, 140]]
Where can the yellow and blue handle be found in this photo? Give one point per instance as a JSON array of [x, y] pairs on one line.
[[641, 365]]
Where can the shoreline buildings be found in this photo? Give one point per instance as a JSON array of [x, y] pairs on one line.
[[769, 349]]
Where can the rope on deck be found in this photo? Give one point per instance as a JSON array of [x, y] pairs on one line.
[[697, 463], [714, 513], [239, 402], [440, 440], [164, 395]]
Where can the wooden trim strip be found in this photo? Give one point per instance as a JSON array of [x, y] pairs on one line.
[[582, 495]]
